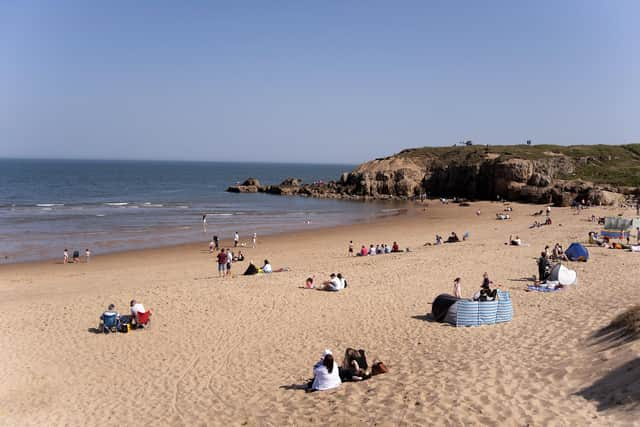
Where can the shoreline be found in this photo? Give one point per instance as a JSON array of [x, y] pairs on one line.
[[407, 210]]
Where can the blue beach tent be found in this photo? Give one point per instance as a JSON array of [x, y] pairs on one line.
[[577, 252]]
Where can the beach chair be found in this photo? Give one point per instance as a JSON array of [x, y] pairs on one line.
[[109, 323], [142, 319]]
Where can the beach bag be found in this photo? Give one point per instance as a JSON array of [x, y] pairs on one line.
[[124, 328], [379, 368]]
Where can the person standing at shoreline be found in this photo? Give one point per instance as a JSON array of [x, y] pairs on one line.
[[87, 255], [255, 239], [66, 256], [236, 239], [216, 243], [204, 223]]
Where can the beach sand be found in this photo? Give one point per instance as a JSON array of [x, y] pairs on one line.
[[236, 351]]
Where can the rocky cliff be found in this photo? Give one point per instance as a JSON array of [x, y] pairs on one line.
[[539, 174]]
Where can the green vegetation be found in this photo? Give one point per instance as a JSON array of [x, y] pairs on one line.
[[603, 164]]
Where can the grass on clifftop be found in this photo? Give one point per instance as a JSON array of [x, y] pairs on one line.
[[603, 164]]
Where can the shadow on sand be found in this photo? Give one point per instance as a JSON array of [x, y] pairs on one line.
[[619, 388]]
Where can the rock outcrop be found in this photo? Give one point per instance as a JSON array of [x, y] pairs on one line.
[[464, 173]]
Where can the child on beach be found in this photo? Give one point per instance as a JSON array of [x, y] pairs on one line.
[[308, 284], [66, 256], [350, 253], [457, 288]]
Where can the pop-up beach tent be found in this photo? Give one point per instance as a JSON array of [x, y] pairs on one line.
[[577, 252], [561, 274]]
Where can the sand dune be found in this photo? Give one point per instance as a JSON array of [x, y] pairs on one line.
[[235, 351]]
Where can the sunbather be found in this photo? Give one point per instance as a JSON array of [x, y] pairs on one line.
[[266, 268], [453, 238]]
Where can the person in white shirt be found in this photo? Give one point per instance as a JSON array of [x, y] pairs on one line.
[[136, 308], [236, 239], [229, 261], [332, 285], [266, 268], [325, 373], [343, 281], [255, 239]]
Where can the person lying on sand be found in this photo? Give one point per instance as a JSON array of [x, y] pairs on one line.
[[308, 284], [326, 374], [251, 269], [266, 268], [515, 242]]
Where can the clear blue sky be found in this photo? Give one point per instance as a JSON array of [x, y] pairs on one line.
[[331, 82]]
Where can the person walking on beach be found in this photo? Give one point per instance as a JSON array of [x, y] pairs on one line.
[[350, 248], [236, 239], [216, 243], [66, 256], [255, 239], [87, 255], [204, 223], [222, 263], [211, 246]]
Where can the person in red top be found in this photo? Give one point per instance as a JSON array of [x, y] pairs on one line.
[[363, 251], [222, 263], [395, 247]]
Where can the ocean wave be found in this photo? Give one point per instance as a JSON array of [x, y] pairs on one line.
[[222, 214], [152, 205], [117, 204], [49, 205]]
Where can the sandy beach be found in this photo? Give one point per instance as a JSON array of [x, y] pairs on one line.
[[236, 351]]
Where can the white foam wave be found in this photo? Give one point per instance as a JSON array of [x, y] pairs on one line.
[[117, 204], [49, 205]]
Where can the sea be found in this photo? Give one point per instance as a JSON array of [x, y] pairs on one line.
[[109, 206]]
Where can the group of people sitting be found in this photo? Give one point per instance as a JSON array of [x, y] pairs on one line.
[[502, 216], [382, 248], [336, 282], [327, 374], [557, 254], [112, 321]]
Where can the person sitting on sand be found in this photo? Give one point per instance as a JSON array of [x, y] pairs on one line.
[[239, 257], [453, 238], [372, 250], [266, 268], [251, 269], [308, 284], [354, 366], [438, 240], [457, 287], [326, 374], [364, 251], [334, 284], [485, 293], [343, 281], [395, 247], [387, 249], [516, 241], [379, 250], [109, 313]]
